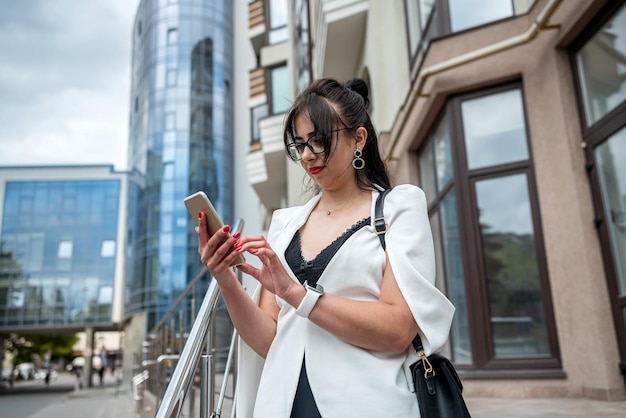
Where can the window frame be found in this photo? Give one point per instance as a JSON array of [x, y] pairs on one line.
[[269, 87], [593, 136], [463, 181]]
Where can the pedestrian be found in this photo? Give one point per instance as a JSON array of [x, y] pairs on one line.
[[332, 320]]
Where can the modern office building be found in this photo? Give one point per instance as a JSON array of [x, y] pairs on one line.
[[62, 249], [511, 115], [181, 141]]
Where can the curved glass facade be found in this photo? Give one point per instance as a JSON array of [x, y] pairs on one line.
[[180, 141]]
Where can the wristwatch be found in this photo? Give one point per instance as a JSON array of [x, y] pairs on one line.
[[313, 293]]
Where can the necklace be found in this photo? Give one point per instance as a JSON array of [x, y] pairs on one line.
[[328, 211]]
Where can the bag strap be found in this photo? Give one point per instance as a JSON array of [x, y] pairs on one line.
[[381, 228]]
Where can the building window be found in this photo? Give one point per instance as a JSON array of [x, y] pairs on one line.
[[65, 249], [430, 19], [257, 113], [278, 21], [172, 36], [279, 89], [170, 121], [171, 78], [477, 174], [600, 69], [302, 42], [465, 14], [107, 249], [601, 66]]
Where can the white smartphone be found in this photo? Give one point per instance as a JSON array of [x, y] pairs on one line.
[[199, 202]]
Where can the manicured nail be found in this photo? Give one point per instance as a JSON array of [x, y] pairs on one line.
[[200, 215], [226, 228], [254, 251], [236, 235]]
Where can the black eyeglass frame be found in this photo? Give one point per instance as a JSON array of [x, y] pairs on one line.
[[299, 147]]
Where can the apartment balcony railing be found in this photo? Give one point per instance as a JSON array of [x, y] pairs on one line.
[[266, 160], [256, 24]]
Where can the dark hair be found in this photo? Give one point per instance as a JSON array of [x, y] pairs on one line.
[[328, 103]]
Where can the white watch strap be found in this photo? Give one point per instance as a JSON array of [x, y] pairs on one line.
[[309, 301]]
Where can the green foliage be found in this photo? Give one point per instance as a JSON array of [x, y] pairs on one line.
[[25, 347]]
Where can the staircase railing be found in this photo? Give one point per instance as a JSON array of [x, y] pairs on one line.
[[193, 352]]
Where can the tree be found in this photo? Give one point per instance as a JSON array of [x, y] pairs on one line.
[[25, 348]]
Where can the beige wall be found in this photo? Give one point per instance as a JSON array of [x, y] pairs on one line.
[[580, 298]]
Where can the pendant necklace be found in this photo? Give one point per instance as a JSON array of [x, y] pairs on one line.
[[328, 211]]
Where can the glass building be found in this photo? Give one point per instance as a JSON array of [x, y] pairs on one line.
[[61, 247], [180, 142]]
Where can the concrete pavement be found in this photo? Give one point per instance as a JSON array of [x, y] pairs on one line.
[[111, 401], [106, 401]]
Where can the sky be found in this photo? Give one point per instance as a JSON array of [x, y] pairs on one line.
[[65, 81]]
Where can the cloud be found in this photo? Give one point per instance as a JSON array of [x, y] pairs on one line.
[[65, 81]]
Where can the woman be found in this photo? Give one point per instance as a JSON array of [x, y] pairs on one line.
[[336, 314]]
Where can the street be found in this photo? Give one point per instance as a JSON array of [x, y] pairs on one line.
[[32, 399]]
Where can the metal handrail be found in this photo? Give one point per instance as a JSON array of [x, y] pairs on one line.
[[137, 380], [183, 373]]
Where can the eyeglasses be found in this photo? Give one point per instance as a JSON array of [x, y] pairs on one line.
[[315, 144]]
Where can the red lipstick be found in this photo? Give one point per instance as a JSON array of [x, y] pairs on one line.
[[315, 170]]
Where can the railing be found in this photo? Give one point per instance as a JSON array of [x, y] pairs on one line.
[[190, 353]]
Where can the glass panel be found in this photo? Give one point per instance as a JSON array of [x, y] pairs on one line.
[[413, 25], [65, 249], [426, 8], [280, 90], [455, 279], [427, 172], [278, 21], [302, 42], [258, 113], [494, 129], [469, 13], [602, 68], [610, 156], [172, 36], [443, 153], [107, 248], [510, 262]]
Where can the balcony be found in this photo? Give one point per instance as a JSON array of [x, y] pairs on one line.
[[340, 37], [256, 25], [267, 163]]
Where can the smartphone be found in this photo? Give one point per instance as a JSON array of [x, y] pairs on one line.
[[199, 202]]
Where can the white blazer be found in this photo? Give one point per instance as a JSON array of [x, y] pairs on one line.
[[348, 381]]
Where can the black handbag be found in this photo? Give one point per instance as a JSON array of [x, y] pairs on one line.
[[437, 386]]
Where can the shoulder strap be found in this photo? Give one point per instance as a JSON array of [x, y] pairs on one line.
[[379, 218], [381, 228]]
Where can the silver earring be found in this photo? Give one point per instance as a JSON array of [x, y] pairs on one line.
[[358, 163]]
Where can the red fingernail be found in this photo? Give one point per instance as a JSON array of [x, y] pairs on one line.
[[226, 228], [254, 251], [236, 234]]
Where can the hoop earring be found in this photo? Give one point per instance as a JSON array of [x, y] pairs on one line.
[[358, 163]]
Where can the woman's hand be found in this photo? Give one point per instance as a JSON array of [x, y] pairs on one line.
[[256, 324], [272, 274], [217, 252]]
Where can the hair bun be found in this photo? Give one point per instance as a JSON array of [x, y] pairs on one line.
[[359, 86]]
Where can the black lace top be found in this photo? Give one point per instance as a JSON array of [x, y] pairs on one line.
[[310, 271]]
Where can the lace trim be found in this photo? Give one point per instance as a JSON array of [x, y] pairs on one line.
[[348, 232]]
